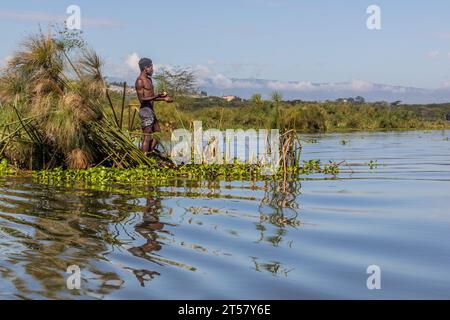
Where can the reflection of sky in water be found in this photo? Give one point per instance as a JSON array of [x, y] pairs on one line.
[[189, 239]]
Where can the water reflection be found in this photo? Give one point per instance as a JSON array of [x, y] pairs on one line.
[[148, 229], [280, 208], [225, 239], [45, 229], [48, 230], [275, 268]]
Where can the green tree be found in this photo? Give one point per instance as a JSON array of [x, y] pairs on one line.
[[257, 99], [276, 97], [177, 82], [275, 113]]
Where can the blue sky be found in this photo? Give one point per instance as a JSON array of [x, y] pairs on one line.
[[284, 40]]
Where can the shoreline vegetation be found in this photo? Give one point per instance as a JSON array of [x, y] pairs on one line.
[[303, 116], [60, 121]]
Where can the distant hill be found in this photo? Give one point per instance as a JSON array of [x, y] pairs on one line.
[[327, 91], [305, 90]]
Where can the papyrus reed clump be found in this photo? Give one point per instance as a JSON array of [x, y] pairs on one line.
[[53, 95]]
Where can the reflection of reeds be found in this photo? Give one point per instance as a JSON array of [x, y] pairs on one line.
[[290, 151]]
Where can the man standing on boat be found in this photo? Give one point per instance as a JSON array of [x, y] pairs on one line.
[[146, 96]]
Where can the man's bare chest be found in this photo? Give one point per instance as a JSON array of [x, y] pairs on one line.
[[148, 85]]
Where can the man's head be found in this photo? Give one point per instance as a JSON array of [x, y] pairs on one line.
[[146, 65]]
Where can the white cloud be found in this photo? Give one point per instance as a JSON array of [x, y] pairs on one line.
[[132, 61], [4, 61], [159, 67], [128, 68], [125, 70], [207, 77], [433, 54], [392, 89], [290, 86], [446, 85], [201, 71], [361, 85], [307, 86], [222, 82], [246, 84], [442, 35]]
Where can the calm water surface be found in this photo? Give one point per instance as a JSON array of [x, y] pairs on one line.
[[186, 239]]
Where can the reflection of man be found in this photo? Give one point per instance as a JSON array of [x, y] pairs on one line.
[[146, 96], [148, 229]]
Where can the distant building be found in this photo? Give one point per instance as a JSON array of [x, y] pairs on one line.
[[119, 89], [356, 100], [229, 98]]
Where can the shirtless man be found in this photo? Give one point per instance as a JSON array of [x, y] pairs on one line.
[[146, 96]]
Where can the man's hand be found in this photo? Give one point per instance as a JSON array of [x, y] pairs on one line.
[[168, 99], [163, 95]]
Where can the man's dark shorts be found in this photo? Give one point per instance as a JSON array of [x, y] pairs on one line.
[[148, 117]]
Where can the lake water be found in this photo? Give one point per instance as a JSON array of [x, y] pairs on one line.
[[313, 238]]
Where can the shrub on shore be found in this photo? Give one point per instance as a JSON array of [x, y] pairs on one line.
[[53, 97]]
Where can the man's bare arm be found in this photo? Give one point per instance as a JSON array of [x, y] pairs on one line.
[[164, 98], [140, 94]]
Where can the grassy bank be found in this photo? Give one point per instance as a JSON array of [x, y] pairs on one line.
[[305, 117]]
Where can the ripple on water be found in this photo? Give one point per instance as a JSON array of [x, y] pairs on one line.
[[313, 238]]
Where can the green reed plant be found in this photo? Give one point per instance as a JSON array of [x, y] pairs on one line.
[[54, 99]]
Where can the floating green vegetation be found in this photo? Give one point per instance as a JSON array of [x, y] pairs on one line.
[[145, 174], [373, 164], [5, 168], [344, 142], [311, 165]]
